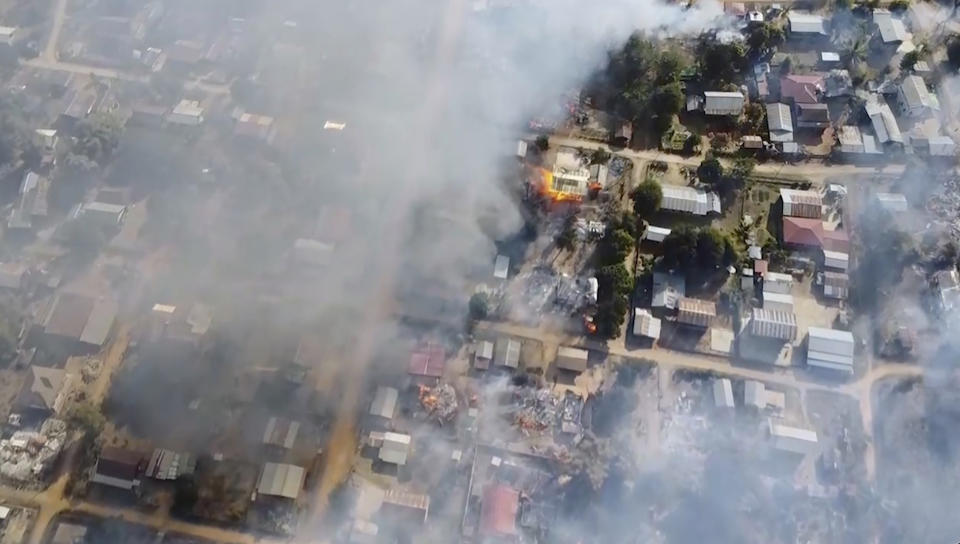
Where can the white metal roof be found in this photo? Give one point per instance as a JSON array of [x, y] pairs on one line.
[[894, 202], [723, 393], [829, 56], [395, 448], [915, 92], [892, 29], [689, 200], [830, 349], [836, 259], [884, 123], [510, 352], [777, 300], [722, 102], [773, 324], [667, 289], [780, 122], [384, 402], [802, 22], [656, 234], [501, 267], [792, 439], [942, 146], [754, 394], [644, 324]]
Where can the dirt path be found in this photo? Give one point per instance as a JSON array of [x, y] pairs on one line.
[[342, 445], [59, 14], [809, 170]]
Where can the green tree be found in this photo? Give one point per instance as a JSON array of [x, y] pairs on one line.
[[686, 248], [88, 417], [764, 37], [720, 62], [667, 101], [742, 168], [616, 277], [710, 170], [669, 67], [647, 198], [98, 137], [910, 59], [680, 247], [479, 306], [615, 246], [899, 5]]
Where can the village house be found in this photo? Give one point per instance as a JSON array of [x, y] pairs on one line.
[[722, 103], [801, 89], [186, 113], [780, 122], [119, 468], [892, 32], [689, 200], [83, 322], [914, 99], [45, 391], [281, 480], [884, 123], [645, 325], [801, 203], [695, 312], [805, 25], [830, 349]]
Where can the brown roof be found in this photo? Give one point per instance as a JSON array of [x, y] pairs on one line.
[[498, 511], [68, 315], [119, 463], [42, 388], [429, 361]]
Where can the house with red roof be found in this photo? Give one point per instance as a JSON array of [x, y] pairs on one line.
[[808, 233], [499, 507], [427, 362], [801, 89]]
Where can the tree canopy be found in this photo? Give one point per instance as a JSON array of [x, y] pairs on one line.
[[647, 198], [688, 247], [764, 37], [98, 137], [720, 62], [632, 92], [710, 170]]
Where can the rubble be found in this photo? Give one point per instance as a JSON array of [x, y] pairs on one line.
[[26, 455], [440, 402], [538, 410]]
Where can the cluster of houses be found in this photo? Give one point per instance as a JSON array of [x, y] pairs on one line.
[[799, 105]]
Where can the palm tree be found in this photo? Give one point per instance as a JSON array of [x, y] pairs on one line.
[[856, 52]]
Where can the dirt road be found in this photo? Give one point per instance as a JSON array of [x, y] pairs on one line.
[[807, 170], [342, 445], [59, 15]]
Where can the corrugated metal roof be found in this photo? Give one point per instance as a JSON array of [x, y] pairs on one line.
[[99, 322], [697, 312], [773, 324], [830, 349], [499, 507], [722, 103], [395, 448], [892, 29], [281, 480], [806, 23], [570, 358], [801, 203], [281, 432], [836, 259], [780, 122], [894, 202], [644, 324], [656, 234], [915, 92], [884, 123], [754, 394], [689, 200], [836, 285], [385, 402], [723, 393]]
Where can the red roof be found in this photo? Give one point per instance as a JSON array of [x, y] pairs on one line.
[[428, 360], [802, 231], [836, 240], [498, 510], [801, 89]]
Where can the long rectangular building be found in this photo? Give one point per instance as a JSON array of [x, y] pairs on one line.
[[773, 324], [689, 200], [830, 349]]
